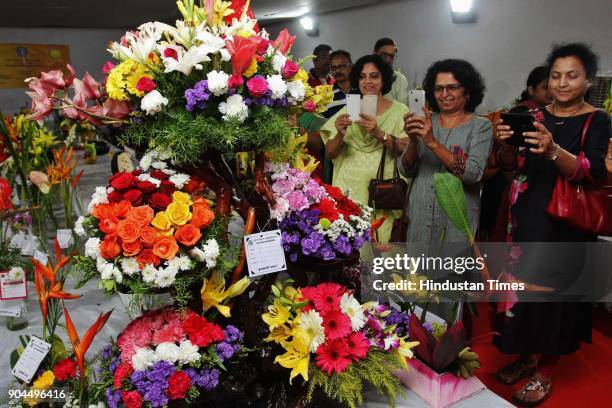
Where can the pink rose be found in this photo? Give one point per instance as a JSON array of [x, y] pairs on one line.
[[258, 86], [235, 81], [290, 69], [309, 106], [297, 201]]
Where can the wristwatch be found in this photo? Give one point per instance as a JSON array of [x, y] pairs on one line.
[[385, 137], [555, 154]]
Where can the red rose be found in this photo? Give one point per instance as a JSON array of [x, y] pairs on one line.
[[131, 399], [146, 187], [121, 181], [178, 385], [159, 201], [133, 196], [121, 373], [158, 174], [167, 187], [145, 84], [114, 196], [290, 69], [136, 172], [65, 369]]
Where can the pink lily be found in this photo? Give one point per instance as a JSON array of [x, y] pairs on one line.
[[284, 41]]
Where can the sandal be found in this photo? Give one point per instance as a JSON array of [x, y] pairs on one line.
[[515, 371], [536, 386]]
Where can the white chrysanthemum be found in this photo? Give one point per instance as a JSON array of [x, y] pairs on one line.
[[159, 165], [129, 266], [198, 254], [188, 352], [16, 273], [234, 108], [169, 171], [98, 197], [179, 180], [183, 263], [165, 277], [153, 102], [149, 178], [211, 252], [277, 86], [167, 352], [92, 247], [278, 62], [312, 324], [117, 275], [149, 273], [143, 359], [296, 90], [78, 226], [106, 270], [351, 307], [217, 82], [146, 161]]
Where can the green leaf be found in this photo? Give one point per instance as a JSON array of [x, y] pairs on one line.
[[58, 350], [276, 291], [450, 195]]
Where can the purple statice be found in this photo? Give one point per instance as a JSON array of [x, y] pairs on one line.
[[248, 101], [197, 96], [343, 246], [161, 371], [153, 383], [209, 379], [283, 102], [224, 350], [113, 397], [311, 243], [427, 326], [327, 252], [400, 319], [114, 364], [107, 352], [359, 240], [233, 335]]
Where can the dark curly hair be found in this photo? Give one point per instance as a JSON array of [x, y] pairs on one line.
[[465, 73], [589, 60], [385, 69]]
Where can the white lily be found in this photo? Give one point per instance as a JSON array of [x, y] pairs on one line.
[[186, 60], [213, 43], [138, 48], [183, 34], [244, 27]]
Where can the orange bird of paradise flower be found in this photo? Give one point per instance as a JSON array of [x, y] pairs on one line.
[[63, 167], [80, 346]]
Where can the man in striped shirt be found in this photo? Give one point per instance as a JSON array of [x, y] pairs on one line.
[[340, 64]]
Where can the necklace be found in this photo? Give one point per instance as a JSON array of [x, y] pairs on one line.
[[572, 113]]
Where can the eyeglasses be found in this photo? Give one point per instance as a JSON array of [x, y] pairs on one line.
[[449, 88], [339, 66], [387, 55]]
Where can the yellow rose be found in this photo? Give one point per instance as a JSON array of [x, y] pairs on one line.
[[180, 197], [161, 221], [178, 213], [168, 233]]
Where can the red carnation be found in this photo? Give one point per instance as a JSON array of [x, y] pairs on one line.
[[131, 399], [193, 323], [159, 201], [158, 174], [122, 372], [170, 53], [167, 187], [133, 196], [178, 385], [121, 181], [201, 332], [114, 196], [65, 369], [146, 187], [145, 84]]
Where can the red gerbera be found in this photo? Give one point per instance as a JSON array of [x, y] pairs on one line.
[[326, 297], [357, 345], [178, 385], [66, 368], [336, 324], [333, 356]]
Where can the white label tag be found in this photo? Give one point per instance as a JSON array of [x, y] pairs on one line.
[[10, 309], [17, 240], [13, 287], [64, 238], [29, 245], [29, 361], [41, 257], [264, 253]]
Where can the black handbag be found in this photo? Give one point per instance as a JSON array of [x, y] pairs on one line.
[[387, 194]]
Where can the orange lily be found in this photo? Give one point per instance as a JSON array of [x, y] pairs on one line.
[[63, 167], [80, 346]]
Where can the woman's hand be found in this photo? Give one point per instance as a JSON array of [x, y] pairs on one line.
[[542, 140], [370, 125], [343, 122], [418, 126], [503, 133]]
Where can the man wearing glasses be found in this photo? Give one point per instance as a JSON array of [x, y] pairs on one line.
[[341, 64], [386, 48]]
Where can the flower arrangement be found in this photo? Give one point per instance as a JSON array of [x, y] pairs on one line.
[[350, 343], [166, 355], [317, 220], [145, 228]]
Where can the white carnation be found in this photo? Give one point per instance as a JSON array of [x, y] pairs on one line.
[[217, 82], [280, 208], [92, 247], [296, 90], [278, 62], [153, 102], [179, 180], [78, 226], [277, 86], [129, 266], [149, 273], [167, 352], [234, 108], [146, 161], [188, 352], [98, 197], [143, 359]]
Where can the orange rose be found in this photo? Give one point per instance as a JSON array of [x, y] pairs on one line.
[[202, 215], [188, 234], [165, 248], [131, 248], [128, 230], [148, 235], [102, 211], [109, 247], [121, 208], [147, 257], [143, 215], [108, 225]]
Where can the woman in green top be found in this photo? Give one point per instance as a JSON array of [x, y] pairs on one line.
[[356, 147]]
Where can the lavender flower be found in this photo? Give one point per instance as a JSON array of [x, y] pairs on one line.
[[225, 351], [233, 335], [112, 398], [197, 96]]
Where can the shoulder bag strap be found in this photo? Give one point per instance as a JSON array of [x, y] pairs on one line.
[[381, 166], [585, 129]]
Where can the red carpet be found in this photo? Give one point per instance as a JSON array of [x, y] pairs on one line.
[[582, 380]]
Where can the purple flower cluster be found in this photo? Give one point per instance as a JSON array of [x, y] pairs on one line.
[[153, 384], [232, 344], [267, 100], [206, 379], [113, 397], [299, 236], [400, 319], [197, 96]]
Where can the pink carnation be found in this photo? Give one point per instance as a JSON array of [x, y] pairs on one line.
[[313, 190], [172, 333], [297, 201], [283, 187]]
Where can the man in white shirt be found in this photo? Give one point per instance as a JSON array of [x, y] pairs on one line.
[[386, 48]]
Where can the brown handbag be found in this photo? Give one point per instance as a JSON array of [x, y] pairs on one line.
[[387, 194], [586, 206]]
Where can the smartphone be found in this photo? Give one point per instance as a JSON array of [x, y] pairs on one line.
[[368, 105], [353, 106], [519, 123], [416, 101]]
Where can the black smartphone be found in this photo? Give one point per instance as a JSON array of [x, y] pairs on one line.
[[519, 123]]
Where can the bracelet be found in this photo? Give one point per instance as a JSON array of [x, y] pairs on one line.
[[555, 154]]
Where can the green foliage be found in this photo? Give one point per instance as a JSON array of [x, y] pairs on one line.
[[347, 387], [10, 258], [449, 192]]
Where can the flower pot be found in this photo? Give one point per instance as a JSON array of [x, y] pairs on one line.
[[438, 390]]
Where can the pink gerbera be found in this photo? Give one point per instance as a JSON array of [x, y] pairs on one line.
[[357, 345], [336, 325], [333, 356], [326, 297]]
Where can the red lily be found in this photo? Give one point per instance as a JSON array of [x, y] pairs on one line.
[[242, 51], [80, 346]]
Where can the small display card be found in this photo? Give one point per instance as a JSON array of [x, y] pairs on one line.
[[17, 240], [29, 245], [264, 253], [13, 286], [10, 309], [64, 238], [29, 361], [41, 257]]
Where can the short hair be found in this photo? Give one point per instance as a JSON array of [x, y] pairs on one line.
[[385, 70], [382, 42], [341, 53], [589, 60], [535, 78], [465, 73], [321, 48]]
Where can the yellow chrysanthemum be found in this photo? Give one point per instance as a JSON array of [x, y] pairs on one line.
[[115, 85], [45, 380], [252, 69]]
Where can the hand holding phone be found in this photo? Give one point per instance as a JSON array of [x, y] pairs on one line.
[[369, 105], [519, 123], [416, 101], [353, 106]]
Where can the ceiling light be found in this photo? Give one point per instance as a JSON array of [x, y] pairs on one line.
[[307, 23], [461, 6]]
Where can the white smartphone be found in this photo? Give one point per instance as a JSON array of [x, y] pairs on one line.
[[353, 106], [416, 101], [368, 105]]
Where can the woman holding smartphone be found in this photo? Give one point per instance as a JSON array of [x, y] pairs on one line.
[[539, 333], [355, 147]]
